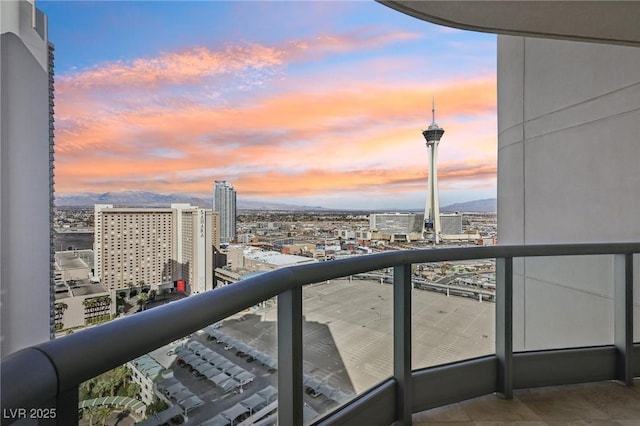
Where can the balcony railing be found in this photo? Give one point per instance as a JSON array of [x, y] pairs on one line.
[[49, 374]]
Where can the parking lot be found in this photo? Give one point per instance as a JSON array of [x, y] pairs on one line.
[[347, 334]]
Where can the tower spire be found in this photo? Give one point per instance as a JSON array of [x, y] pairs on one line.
[[433, 110], [431, 224]]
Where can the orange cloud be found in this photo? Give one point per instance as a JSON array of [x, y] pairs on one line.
[[349, 135]]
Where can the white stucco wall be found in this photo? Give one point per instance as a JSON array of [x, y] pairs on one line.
[[24, 179], [568, 172]]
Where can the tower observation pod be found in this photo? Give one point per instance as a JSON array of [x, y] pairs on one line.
[[431, 228]]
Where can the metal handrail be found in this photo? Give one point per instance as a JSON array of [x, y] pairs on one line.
[[41, 373]]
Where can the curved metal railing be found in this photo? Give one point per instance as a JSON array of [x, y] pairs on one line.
[[50, 373]]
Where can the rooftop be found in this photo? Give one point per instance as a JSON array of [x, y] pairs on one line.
[[277, 259], [74, 259]]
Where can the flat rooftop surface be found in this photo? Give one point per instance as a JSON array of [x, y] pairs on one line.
[[85, 288], [348, 331], [604, 403], [72, 259]]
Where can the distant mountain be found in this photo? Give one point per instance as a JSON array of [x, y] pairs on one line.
[[245, 204], [152, 199], [127, 199], [488, 205]]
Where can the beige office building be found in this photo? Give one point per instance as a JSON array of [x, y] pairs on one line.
[[134, 246], [155, 246]]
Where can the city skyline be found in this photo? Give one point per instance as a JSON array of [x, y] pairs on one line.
[[288, 107]]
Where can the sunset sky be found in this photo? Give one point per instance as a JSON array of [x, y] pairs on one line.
[[310, 103]]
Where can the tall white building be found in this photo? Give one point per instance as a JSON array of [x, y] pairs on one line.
[[197, 236], [26, 177], [224, 202]]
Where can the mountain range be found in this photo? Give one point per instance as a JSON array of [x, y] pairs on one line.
[[487, 205], [152, 199]]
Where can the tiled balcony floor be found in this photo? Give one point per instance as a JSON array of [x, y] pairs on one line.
[[598, 404]]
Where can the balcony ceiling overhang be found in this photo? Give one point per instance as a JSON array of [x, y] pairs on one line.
[[613, 22]]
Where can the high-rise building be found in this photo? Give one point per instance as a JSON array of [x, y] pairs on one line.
[[224, 202], [26, 175], [431, 223], [197, 237], [135, 247]]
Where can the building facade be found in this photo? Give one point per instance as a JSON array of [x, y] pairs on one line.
[[198, 235], [153, 247], [394, 223], [134, 247], [224, 202], [451, 223], [146, 372], [568, 172], [26, 176]]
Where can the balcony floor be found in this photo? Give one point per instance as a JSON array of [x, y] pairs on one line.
[[599, 404]]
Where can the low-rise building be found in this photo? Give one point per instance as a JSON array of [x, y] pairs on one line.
[[79, 301], [146, 372]]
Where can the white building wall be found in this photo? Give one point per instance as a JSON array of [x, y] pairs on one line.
[[179, 207], [97, 237], [197, 248], [568, 172], [25, 224]]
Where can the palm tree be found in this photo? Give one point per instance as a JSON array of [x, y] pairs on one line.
[[86, 389], [133, 389], [90, 412], [103, 414], [61, 306], [142, 299], [121, 373], [102, 387], [112, 383]]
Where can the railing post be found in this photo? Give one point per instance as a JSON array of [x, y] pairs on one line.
[[623, 316], [67, 407], [59, 411], [504, 325], [290, 391], [402, 343]]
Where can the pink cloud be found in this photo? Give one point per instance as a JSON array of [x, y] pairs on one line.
[[197, 64], [358, 136]]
